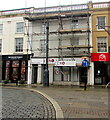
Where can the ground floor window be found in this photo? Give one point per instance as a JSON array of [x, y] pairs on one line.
[[15, 69], [62, 73]]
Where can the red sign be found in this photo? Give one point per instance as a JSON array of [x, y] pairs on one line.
[[100, 57]]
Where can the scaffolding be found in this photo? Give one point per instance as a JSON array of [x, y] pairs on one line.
[[75, 47]]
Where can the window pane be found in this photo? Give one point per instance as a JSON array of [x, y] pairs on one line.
[[43, 28], [102, 44], [20, 27], [101, 22], [43, 45], [0, 45], [74, 23], [1, 28], [19, 44]]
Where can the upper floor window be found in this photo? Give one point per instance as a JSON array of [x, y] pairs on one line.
[[43, 28], [74, 23], [0, 45], [19, 45], [101, 22], [101, 44], [20, 27], [1, 28], [43, 45]]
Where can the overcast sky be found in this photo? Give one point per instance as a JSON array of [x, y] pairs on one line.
[[16, 4]]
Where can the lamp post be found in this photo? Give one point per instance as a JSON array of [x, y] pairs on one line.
[[46, 71]]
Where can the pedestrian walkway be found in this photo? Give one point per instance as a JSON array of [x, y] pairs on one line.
[[75, 102], [24, 104]]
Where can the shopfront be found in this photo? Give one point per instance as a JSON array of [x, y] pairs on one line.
[[15, 67], [101, 68], [67, 71], [63, 70]]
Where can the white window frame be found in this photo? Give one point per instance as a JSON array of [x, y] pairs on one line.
[[75, 24], [20, 27], [43, 27], [0, 45], [1, 28], [18, 44], [43, 45], [102, 45], [100, 26]]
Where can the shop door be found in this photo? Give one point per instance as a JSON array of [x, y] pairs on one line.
[[15, 70], [100, 73], [34, 74]]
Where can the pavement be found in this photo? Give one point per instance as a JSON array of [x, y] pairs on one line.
[[76, 103], [25, 104]]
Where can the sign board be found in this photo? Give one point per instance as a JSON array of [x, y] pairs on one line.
[[65, 63], [85, 63], [56, 61], [16, 57], [100, 57], [43, 61]]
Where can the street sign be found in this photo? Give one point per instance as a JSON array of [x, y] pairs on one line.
[[85, 63]]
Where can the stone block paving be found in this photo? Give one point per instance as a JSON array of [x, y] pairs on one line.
[[20, 103], [77, 103]]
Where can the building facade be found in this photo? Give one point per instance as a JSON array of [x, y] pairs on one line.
[[100, 57], [78, 48], [69, 44], [13, 45]]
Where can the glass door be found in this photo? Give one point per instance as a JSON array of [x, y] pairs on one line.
[[15, 66]]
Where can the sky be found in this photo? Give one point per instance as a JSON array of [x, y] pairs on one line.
[[16, 4]]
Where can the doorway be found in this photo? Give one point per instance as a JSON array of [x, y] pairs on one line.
[[82, 74], [100, 73], [34, 74]]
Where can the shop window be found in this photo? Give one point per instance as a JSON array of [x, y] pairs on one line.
[[57, 74], [1, 28], [19, 44], [7, 75], [15, 65], [0, 45], [20, 27], [101, 22], [102, 44], [23, 69], [62, 74]]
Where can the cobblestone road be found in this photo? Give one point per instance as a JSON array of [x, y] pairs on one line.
[[20, 103]]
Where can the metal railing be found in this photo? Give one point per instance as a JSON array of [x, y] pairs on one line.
[[16, 11], [101, 5], [54, 9], [61, 8]]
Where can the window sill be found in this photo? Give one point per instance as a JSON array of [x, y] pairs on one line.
[[18, 53]]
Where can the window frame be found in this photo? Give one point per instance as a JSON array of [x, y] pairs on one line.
[[43, 27], [0, 45], [1, 28], [98, 25], [102, 45], [19, 48], [43, 49], [75, 23], [19, 29]]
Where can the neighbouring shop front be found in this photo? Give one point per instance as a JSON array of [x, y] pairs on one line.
[[15, 67], [101, 68], [68, 71]]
